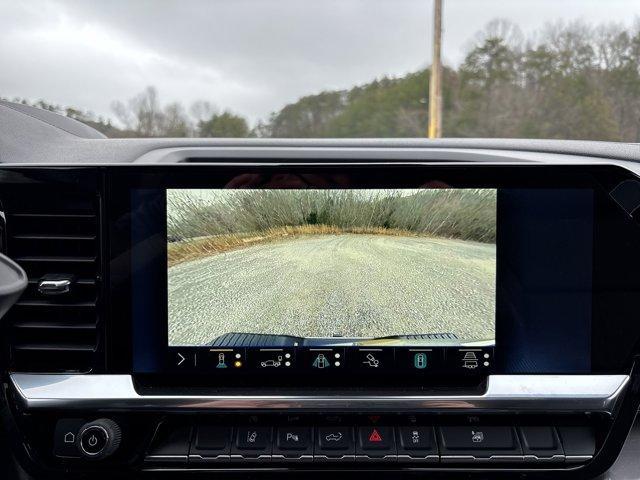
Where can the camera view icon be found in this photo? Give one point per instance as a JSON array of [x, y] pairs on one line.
[[275, 363], [221, 361], [470, 360], [420, 360], [277, 359], [371, 361], [477, 437], [321, 361]]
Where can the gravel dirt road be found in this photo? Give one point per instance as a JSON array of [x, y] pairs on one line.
[[352, 285]]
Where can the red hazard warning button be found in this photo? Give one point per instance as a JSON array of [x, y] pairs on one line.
[[375, 438]]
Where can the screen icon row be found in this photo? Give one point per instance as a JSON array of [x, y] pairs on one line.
[[328, 359]]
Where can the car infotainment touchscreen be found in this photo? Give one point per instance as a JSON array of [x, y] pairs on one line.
[[352, 274], [330, 268]]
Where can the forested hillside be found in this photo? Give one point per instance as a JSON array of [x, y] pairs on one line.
[[577, 82], [570, 81]]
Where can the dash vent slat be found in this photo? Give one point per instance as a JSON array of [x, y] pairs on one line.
[[55, 333]]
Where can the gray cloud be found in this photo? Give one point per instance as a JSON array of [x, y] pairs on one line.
[[251, 56]]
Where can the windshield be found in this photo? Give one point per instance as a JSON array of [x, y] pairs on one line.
[[331, 68]]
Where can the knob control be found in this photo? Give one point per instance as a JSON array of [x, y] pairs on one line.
[[99, 439]]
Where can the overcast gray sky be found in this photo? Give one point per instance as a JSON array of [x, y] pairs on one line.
[[249, 56]]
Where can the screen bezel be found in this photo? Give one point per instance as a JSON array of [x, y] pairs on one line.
[[605, 357]]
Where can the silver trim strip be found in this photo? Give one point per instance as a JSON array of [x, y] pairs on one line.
[[567, 393], [242, 458], [412, 459], [577, 458], [208, 459], [472, 458], [327, 458], [535, 458], [276, 457], [199, 459], [369, 458]]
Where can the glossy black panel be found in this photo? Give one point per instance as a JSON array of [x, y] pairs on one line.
[[564, 195]]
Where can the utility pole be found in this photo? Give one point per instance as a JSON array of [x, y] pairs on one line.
[[435, 84]]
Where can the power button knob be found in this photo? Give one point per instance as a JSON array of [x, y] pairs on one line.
[[99, 439]]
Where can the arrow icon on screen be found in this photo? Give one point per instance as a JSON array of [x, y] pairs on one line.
[[181, 360]]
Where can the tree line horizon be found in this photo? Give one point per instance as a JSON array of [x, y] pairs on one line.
[[568, 81]]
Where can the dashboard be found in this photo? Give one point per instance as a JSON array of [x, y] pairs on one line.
[[251, 308]]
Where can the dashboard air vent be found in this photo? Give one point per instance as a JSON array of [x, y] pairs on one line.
[[54, 237]]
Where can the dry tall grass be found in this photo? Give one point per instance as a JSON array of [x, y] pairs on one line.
[[467, 214], [192, 249]]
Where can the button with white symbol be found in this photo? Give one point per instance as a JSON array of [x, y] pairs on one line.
[[416, 442], [99, 439], [469, 360], [183, 359], [374, 359], [253, 438], [180, 359], [274, 359], [416, 438], [324, 359], [65, 436], [335, 438], [294, 438], [224, 359], [477, 438]]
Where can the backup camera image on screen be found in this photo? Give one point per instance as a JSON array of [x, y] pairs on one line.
[[331, 267]]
